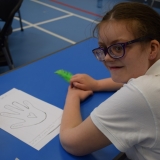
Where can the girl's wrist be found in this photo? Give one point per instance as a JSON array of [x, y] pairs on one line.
[[96, 86], [72, 97]]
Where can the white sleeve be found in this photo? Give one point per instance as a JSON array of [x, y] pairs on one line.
[[126, 119]]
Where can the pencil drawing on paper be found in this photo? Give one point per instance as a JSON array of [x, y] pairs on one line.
[[26, 113]]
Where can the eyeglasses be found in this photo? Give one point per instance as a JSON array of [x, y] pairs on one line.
[[115, 51]]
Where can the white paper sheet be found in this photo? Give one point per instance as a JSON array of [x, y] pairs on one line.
[[31, 120]]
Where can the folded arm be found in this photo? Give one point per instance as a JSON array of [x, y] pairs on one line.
[[79, 137], [85, 82]]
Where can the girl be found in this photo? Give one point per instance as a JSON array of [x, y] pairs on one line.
[[129, 47]]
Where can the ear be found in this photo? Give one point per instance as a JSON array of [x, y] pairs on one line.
[[155, 49]]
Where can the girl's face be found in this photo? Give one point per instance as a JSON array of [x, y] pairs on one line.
[[135, 62]]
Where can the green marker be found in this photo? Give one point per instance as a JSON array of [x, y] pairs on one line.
[[64, 74]]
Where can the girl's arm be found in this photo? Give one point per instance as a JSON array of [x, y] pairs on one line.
[[85, 82]]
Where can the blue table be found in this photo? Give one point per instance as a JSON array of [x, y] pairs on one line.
[[39, 80]]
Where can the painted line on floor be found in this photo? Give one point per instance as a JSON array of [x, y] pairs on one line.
[[44, 30], [47, 21], [62, 10], [56, 35], [58, 18], [76, 8], [55, 19]]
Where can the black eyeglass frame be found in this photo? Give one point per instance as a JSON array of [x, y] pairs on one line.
[[106, 50]]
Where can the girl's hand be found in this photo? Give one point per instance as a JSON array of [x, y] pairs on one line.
[[78, 93], [83, 82]]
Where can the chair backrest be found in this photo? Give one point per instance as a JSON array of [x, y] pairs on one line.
[[8, 8]]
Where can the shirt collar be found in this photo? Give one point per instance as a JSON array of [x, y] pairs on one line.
[[154, 69]]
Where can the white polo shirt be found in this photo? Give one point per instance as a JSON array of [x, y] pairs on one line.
[[130, 118]]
